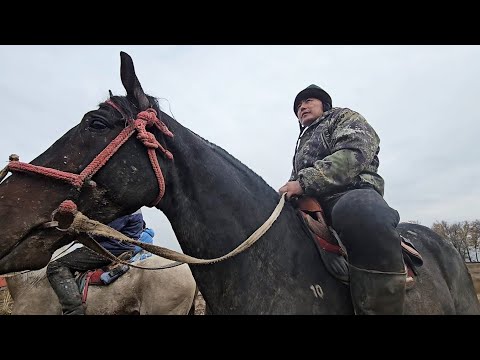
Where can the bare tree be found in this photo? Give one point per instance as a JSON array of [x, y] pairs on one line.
[[474, 240], [464, 236]]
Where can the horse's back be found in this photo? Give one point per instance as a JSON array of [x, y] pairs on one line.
[[175, 288], [443, 284], [146, 292], [137, 292], [33, 297]]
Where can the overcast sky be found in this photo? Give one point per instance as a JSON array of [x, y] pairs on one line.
[[421, 100]]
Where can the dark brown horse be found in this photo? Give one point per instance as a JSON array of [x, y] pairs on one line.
[[213, 201]]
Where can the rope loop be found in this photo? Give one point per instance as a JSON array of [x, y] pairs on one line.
[[149, 116], [148, 139]]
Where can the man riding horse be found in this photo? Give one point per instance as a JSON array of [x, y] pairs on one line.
[[336, 161], [60, 271]]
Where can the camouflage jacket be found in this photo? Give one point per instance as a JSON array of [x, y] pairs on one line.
[[337, 152]]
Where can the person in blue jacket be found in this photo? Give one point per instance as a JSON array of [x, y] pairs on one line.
[[60, 272], [146, 237]]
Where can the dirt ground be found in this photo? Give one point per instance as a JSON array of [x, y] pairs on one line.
[[474, 269], [199, 305]]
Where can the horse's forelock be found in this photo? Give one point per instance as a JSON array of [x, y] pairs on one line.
[[129, 108]]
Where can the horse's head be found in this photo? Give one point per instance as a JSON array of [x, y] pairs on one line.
[[101, 165]]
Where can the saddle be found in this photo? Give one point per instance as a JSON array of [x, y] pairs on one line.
[[332, 251], [94, 277]]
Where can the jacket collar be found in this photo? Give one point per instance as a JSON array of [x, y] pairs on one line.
[[317, 121]]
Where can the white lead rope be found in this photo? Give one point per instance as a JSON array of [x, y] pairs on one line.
[[82, 224]]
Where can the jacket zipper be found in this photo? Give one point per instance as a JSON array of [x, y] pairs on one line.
[[326, 143]]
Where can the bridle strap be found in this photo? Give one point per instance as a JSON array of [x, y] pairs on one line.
[[82, 224], [77, 180], [144, 119]]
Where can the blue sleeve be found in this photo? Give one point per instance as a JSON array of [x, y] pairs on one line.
[[129, 225], [146, 236]]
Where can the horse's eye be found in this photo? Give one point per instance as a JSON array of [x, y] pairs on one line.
[[97, 124]]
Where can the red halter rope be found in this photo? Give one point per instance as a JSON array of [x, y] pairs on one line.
[[144, 120]]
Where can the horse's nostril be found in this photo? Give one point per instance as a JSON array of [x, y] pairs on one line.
[[63, 220]]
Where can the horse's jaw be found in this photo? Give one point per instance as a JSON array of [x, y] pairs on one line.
[[32, 252], [29, 246], [26, 204]]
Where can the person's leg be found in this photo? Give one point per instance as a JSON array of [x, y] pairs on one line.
[[60, 276], [366, 226]]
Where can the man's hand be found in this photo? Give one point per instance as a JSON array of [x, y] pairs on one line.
[[292, 188]]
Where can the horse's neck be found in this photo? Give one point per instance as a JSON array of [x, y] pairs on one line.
[[215, 198], [214, 203]]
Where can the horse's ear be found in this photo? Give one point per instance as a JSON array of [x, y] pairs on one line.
[[130, 82]]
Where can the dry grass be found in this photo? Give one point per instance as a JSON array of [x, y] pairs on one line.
[[6, 302], [199, 305]]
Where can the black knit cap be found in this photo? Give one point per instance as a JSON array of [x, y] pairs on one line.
[[312, 91]]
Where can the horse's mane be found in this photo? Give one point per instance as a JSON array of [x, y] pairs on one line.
[[33, 278], [233, 160], [130, 110]]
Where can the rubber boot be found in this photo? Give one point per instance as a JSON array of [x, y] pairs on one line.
[[377, 292], [64, 285]]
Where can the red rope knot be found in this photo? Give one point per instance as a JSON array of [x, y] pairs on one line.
[[149, 115], [148, 139], [68, 206]]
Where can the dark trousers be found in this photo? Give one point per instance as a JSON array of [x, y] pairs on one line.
[[366, 226], [81, 259], [60, 276]]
